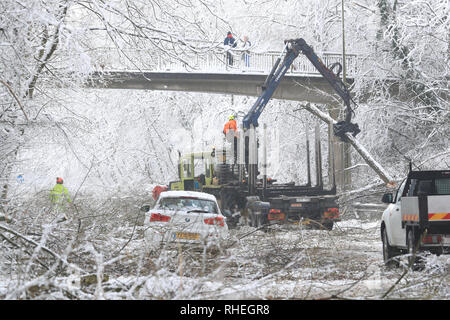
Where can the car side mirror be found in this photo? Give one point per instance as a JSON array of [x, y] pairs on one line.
[[387, 198], [145, 208]]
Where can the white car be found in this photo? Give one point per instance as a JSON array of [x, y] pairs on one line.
[[185, 217]]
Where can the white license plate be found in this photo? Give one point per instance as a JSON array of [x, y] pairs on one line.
[[446, 240]]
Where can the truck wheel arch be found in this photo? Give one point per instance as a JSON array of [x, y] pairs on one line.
[[389, 252]]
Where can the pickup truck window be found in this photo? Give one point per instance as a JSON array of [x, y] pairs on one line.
[[412, 188], [398, 195], [442, 186], [439, 186]]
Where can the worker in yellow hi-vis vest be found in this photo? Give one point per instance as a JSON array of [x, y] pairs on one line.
[[59, 196]]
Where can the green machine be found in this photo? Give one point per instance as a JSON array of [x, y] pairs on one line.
[[195, 170]]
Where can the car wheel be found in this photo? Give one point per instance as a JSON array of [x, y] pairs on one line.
[[388, 252]]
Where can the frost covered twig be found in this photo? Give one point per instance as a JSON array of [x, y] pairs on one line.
[[43, 248], [15, 97]]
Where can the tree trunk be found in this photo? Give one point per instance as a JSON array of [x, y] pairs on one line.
[[382, 173]]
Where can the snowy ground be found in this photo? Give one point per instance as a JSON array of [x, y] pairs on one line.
[[308, 264], [279, 263]]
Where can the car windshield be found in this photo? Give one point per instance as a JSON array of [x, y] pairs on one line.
[[188, 204]]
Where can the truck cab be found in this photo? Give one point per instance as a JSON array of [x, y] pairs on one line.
[[418, 215]]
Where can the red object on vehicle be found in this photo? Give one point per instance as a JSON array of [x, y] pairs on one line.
[[331, 213], [276, 214], [159, 217], [432, 239], [157, 190], [218, 221]]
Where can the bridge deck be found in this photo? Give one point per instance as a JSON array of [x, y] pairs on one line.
[[312, 88]]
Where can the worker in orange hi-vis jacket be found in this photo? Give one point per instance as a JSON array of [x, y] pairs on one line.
[[230, 125], [231, 133]]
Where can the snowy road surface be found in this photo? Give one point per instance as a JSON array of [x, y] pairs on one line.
[[293, 263], [288, 262]]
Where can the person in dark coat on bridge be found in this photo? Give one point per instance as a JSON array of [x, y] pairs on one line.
[[229, 43]]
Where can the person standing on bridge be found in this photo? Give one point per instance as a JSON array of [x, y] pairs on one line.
[[246, 44], [229, 43]]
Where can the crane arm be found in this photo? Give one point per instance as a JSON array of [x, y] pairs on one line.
[[270, 85], [291, 51]]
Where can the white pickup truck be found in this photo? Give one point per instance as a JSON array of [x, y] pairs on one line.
[[418, 216]]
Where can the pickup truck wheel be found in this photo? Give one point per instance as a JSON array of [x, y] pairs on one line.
[[388, 252]]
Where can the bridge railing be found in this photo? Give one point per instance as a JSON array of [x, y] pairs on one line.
[[213, 61]]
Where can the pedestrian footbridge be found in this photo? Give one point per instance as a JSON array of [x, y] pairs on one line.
[[208, 72]]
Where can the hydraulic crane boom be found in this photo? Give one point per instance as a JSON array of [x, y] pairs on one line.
[[291, 51]]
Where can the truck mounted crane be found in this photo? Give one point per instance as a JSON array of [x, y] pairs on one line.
[[291, 51]]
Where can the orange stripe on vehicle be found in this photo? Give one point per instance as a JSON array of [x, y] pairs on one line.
[[439, 216], [410, 217], [431, 217]]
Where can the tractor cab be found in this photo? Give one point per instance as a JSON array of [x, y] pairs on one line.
[[195, 170]]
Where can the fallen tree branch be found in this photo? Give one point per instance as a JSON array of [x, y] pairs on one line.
[[26, 251], [15, 97], [409, 267], [34, 243], [382, 173]]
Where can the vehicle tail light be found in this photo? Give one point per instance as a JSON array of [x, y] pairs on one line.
[[432, 239], [159, 217], [331, 213], [275, 214], [215, 221]]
